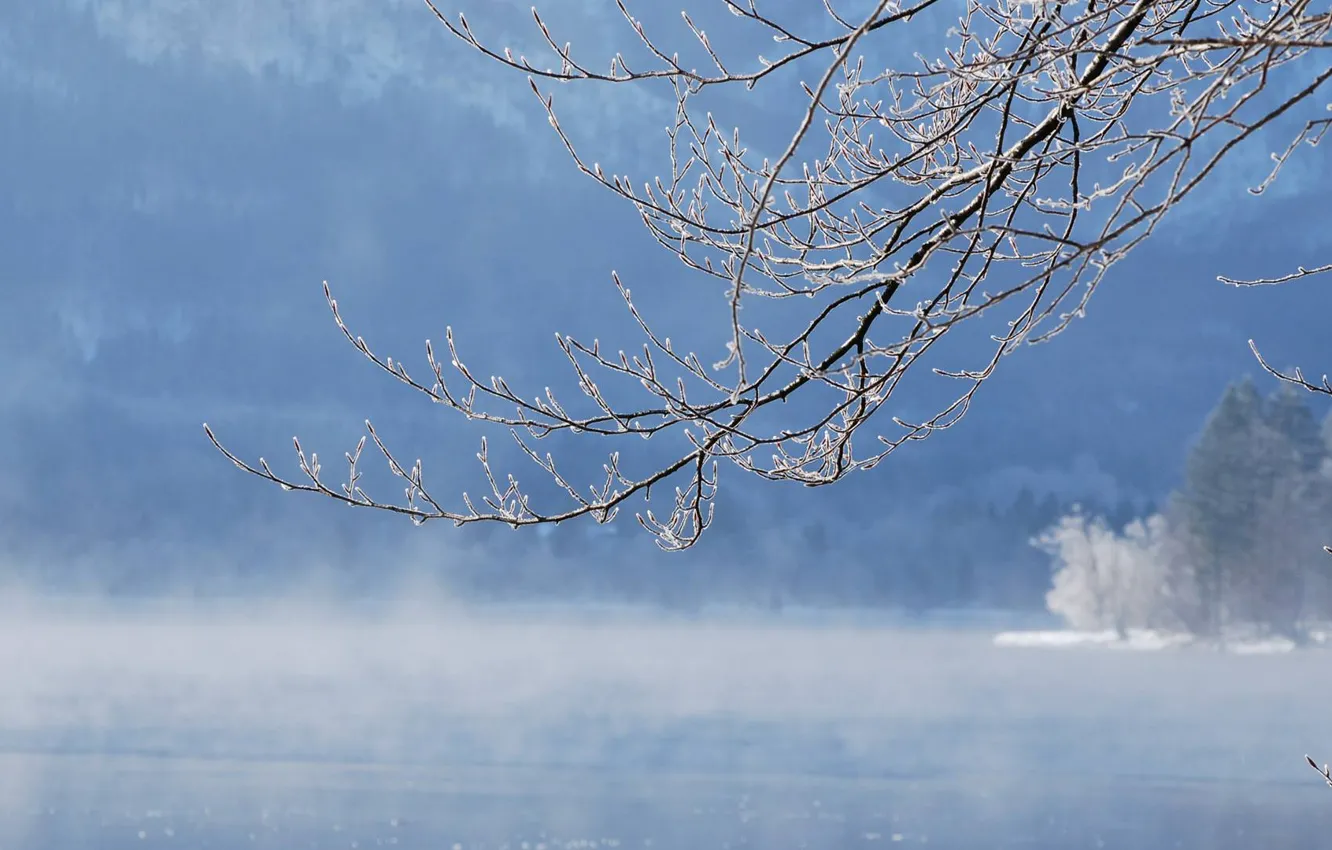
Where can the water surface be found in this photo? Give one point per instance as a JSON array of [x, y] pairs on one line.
[[283, 726]]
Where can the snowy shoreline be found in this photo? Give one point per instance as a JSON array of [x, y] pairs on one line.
[[1146, 640]]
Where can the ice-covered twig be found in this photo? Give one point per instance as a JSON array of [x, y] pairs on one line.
[[1323, 771]]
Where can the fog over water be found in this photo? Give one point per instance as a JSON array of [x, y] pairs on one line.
[[319, 724], [179, 179]]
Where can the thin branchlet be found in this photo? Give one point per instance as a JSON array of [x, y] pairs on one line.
[[1323, 771]]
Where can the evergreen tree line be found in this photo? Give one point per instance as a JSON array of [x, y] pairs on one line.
[[1238, 546]]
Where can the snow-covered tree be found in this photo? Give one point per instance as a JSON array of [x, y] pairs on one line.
[[1109, 580]]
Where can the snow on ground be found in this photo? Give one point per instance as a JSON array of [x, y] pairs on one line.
[[1265, 646], [1142, 639], [1139, 639]]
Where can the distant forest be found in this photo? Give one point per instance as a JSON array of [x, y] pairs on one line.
[[1238, 546], [1252, 508]]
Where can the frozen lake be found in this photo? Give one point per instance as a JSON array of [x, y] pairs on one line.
[[290, 726]]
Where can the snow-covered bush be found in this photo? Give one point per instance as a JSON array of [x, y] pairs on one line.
[[1109, 580]]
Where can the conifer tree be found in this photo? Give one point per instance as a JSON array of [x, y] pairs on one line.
[[1327, 434], [1224, 482], [1294, 422]]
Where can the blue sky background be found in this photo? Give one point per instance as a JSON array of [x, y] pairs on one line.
[[180, 176]]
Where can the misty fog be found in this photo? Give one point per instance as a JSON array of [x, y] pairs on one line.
[[312, 722], [1094, 614]]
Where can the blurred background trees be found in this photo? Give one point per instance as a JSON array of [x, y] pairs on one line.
[[1238, 545]]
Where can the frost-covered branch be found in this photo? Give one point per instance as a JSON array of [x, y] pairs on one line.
[[1296, 377], [1003, 170], [1323, 771]]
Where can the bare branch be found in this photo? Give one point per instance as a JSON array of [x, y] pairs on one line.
[[990, 181], [1295, 377], [1271, 281]]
